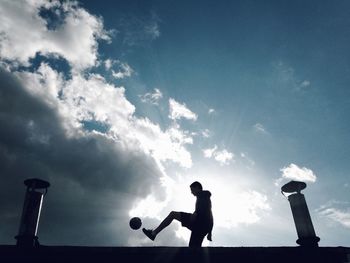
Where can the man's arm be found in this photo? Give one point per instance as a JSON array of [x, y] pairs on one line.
[[209, 236]]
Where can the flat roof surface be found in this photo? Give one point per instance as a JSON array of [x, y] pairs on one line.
[[11, 253]]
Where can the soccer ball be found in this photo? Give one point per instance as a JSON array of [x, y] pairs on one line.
[[135, 223]]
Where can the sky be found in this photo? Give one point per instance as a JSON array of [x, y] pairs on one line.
[[121, 105]]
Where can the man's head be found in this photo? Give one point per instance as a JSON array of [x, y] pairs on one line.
[[196, 188]]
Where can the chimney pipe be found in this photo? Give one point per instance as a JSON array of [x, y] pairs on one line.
[[27, 234], [302, 219]]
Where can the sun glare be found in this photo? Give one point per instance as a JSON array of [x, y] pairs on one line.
[[232, 204]]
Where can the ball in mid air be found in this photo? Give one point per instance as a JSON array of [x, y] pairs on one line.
[[135, 223]]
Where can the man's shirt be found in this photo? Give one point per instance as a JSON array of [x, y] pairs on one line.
[[204, 216]]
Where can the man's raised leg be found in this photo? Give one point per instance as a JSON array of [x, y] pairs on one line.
[[172, 215]]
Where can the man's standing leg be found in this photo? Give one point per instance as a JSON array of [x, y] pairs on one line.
[[196, 238]]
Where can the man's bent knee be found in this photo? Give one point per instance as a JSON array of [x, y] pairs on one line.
[[175, 215]]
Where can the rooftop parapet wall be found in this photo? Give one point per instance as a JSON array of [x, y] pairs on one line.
[[175, 254]]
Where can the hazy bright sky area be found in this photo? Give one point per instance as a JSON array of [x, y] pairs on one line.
[[121, 105]]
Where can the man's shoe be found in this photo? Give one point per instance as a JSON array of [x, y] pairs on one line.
[[148, 233]]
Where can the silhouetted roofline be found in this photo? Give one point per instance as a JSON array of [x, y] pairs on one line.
[[11, 253]]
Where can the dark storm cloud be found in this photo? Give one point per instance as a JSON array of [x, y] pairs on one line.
[[94, 181]]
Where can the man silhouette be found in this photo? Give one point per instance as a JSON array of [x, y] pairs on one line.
[[200, 222]]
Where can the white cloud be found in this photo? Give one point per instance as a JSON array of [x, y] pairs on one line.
[[260, 128], [125, 71], [24, 33], [294, 172], [148, 207], [108, 63], [211, 111], [179, 135], [80, 98], [163, 146], [342, 217], [208, 153], [206, 133], [152, 98], [245, 207], [223, 157], [178, 111], [336, 211], [91, 98]]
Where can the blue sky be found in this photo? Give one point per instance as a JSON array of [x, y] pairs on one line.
[[147, 96]]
